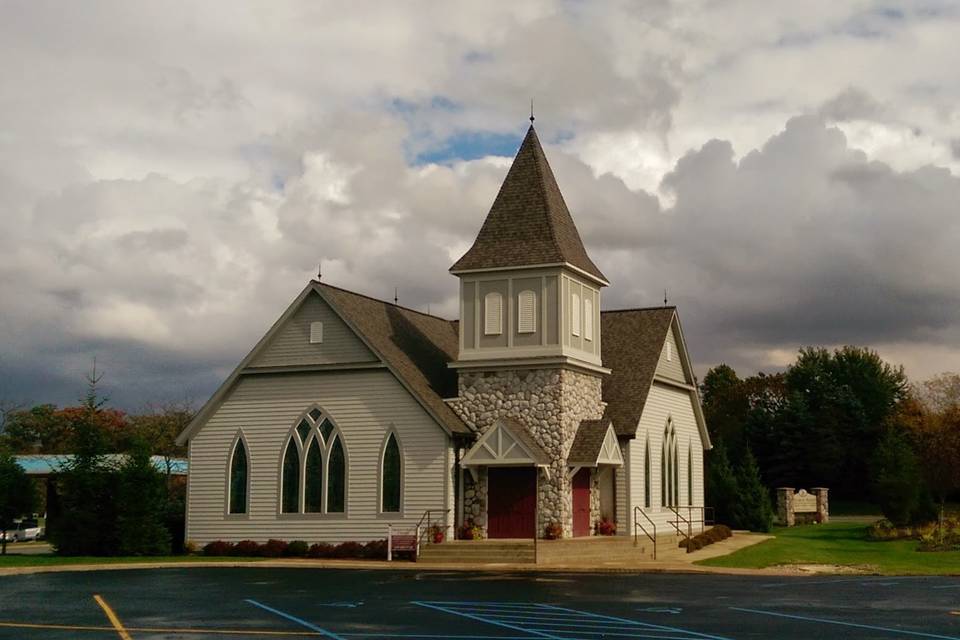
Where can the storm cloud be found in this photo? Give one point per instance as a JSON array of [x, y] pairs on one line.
[[170, 177]]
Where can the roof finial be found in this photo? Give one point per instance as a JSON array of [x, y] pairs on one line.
[[319, 270], [395, 298], [664, 297], [531, 112]]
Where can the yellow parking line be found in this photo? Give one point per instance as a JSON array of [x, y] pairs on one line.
[[185, 631], [112, 617]]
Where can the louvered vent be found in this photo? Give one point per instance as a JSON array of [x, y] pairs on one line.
[[493, 314], [588, 318], [316, 332], [527, 312], [575, 314]]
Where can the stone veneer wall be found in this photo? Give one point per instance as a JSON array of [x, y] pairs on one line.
[[550, 403]]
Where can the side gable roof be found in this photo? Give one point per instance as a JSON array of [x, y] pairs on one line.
[[594, 444], [414, 346], [632, 342], [529, 223]]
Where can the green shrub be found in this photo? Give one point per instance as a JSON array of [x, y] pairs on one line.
[[141, 499], [297, 548]]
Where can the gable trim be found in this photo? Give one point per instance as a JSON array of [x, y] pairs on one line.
[[496, 448]]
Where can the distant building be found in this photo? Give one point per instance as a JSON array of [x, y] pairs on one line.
[[534, 408]]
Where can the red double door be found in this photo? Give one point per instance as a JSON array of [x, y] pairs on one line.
[[511, 502]]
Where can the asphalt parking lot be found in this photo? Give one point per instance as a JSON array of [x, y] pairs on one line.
[[303, 603]]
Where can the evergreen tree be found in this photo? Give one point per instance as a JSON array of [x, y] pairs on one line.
[[141, 503], [722, 491], [896, 477], [753, 509]]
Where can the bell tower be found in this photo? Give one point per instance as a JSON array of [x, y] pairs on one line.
[[529, 358]]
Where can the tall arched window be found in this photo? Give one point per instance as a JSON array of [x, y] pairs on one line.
[[237, 500], [646, 475], [689, 474], [390, 476], [669, 467], [314, 469]]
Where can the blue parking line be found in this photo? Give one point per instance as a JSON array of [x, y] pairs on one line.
[[301, 622], [920, 634], [560, 623]]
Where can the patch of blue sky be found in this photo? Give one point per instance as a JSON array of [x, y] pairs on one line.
[[469, 145]]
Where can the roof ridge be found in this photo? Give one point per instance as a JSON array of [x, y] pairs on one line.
[[653, 308], [541, 183], [386, 302]]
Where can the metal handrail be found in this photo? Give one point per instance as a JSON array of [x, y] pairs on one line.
[[637, 523], [676, 523], [425, 531]]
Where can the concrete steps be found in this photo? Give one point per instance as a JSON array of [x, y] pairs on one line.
[[588, 550]]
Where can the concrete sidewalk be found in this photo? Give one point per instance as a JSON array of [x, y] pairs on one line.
[[676, 564]]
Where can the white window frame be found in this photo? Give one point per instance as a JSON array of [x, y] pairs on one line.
[[493, 322], [527, 311]]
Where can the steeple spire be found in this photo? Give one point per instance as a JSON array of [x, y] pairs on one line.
[[529, 223]]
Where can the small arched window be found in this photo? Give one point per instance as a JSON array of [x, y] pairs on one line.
[[575, 314], [390, 476], [313, 475], [239, 475], [493, 314], [646, 475], [527, 312]]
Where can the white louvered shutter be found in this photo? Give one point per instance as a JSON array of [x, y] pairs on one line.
[[316, 332], [493, 314], [588, 318], [527, 312], [575, 314]]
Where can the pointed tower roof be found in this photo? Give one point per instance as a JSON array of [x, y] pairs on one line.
[[529, 223]]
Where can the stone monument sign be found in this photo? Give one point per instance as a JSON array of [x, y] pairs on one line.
[[802, 507]]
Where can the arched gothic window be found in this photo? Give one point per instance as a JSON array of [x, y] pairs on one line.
[[239, 477], [646, 475], [669, 467], [391, 470], [689, 474], [313, 475]]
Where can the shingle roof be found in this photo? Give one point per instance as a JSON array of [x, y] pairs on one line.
[[416, 346], [632, 342], [588, 442], [529, 222]]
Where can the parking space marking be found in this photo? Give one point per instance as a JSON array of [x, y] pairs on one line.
[[112, 617], [292, 618], [921, 634], [259, 633], [560, 623]]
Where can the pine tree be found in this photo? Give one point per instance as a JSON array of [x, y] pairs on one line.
[[722, 491], [753, 510], [141, 501], [16, 494]]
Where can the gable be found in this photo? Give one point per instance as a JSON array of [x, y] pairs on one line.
[[670, 364], [291, 344]]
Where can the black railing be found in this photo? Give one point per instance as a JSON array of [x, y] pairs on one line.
[[426, 532], [638, 526]]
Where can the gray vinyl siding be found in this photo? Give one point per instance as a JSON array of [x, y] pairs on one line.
[[364, 405], [291, 344], [665, 401], [672, 369]]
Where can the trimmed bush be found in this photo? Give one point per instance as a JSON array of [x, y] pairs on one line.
[[699, 541], [348, 550], [274, 548], [297, 548], [320, 550], [217, 548], [375, 550], [246, 548]]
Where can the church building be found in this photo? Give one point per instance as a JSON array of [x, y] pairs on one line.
[[535, 412]]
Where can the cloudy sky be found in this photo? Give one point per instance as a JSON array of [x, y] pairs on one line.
[[172, 173]]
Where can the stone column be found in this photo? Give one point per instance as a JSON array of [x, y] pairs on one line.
[[785, 506], [823, 503]]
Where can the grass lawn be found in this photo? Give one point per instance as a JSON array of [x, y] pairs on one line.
[[842, 543], [49, 559]]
